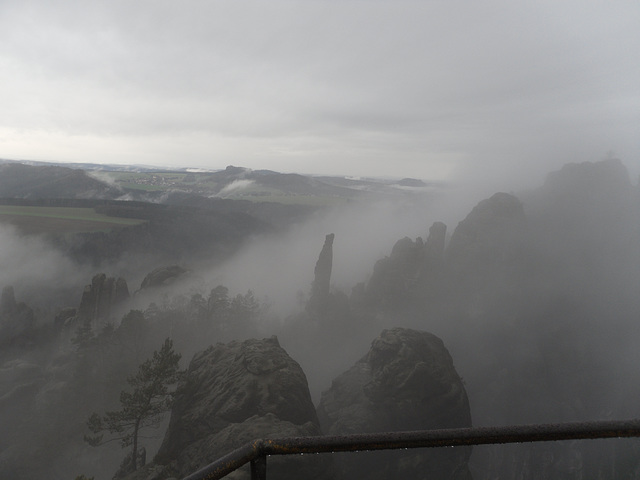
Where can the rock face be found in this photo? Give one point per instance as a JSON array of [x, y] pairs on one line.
[[487, 235], [101, 299], [407, 381], [235, 393], [400, 277], [322, 278], [434, 248], [485, 259], [604, 184]]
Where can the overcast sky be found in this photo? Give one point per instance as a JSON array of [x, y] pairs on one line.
[[428, 89]]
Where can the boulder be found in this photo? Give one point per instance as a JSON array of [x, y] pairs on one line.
[[406, 381], [234, 393]]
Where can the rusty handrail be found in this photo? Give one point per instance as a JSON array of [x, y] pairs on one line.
[[256, 451]]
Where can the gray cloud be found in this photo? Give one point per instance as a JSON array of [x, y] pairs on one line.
[[425, 89]]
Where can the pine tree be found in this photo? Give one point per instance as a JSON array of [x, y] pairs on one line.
[[144, 406]]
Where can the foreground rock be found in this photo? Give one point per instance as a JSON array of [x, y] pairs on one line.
[[235, 393], [407, 381]]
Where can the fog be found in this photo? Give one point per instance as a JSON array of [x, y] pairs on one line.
[[536, 302], [357, 88], [535, 293], [37, 271], [280, 266]]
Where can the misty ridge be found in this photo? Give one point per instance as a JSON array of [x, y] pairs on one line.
[[532, 296]]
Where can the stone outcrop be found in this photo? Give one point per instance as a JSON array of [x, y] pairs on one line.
[[102, 298], [162, 276], [586, 213], [234, 393], [489, 234], [406, 381], [434, 247], [485, 258], [605, 184], [399, 279], [322, 276]]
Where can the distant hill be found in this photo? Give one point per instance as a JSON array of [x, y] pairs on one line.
[[34, 182]]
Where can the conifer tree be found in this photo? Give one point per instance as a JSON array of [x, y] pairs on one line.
[[142, 407]]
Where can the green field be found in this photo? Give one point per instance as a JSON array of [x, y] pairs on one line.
[[29, 219]]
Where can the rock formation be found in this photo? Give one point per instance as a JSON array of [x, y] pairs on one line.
[[407, 381], [101, 299], [403, 277], [434, 247], [485, 258], [322, 279], [235, 393], [488, 234], [394, 277], [162, 276]]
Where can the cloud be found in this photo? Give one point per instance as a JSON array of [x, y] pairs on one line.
[[234, 187], [28, 262], [333, 87]]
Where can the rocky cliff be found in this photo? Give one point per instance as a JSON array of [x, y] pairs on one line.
[[543, 289], [413, 268], [162, 277], [234, 393], [406, 381], [322, 277]]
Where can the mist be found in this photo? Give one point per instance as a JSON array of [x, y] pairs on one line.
[[534, 296], [511, 115], [280, 266], [38, 271]]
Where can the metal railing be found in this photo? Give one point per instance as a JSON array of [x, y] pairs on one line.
[[256, 452]]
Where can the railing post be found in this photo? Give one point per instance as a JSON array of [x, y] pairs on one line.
[[259, 468]]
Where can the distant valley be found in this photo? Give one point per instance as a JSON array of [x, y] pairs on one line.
[[522, 310], [39, 180]]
